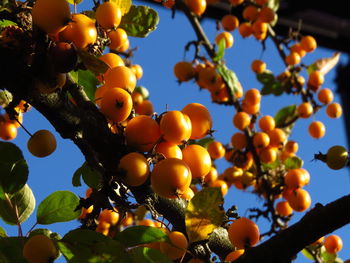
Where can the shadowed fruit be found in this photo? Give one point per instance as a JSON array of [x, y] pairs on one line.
[[42, 143], [39, 249]]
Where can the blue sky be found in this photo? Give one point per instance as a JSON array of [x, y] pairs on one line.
[[157, 54]]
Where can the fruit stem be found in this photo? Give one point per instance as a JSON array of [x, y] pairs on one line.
[[24, 128]]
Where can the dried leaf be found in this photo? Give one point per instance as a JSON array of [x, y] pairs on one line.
[[324, 65]]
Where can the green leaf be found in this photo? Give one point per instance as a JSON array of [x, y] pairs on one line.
[[221, 50], [84, 245], [10, 153], [139, 21], [137, 235], [266, 78], [148, 255], [5, 98], [328, 257], [91, 177], [58, 207], [144, 92], [204, 142], [230, 79], [92, 63], [284, 115], [274, 88], [13, 176], [87, 80], [270, 166], [5, 23], [11, 249], [74, 2], [17, 207], [204, 213], [307, 254], [2, 232], [293, 162]]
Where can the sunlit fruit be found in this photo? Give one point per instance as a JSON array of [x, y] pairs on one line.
[[200, 119], [325, 96], [198, 159], [120, 77], [258, 66], [241, 120], [184, 71], [176, 127], [40, 249], [283, 208], [169, 150], [108, 15], [337, 157], [316, 79], [291, 147], [333, 244], [8, 130], [143, 141], [51, 15], [243, 232], [42, 143], [292, 59], [239, 140], [116, 104], [137, 69], [305, 110], [308, 43], [119, 39], [267, 123], [216, 150], [299, 200], [171, 177], [234, 255], [334, 110], [294, 179], [317, 129], [261, 140], [197, 6], [277, 137], [228, 38], [268, 154], [177, 247], [81, 31], [134, 169], [220, 184]]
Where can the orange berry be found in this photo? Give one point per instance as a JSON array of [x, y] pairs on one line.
[[216, 150], [267, 123], [259, 28], [294, 179], [258, 66], [120, 77], [305, 110], [118, 39], [283, 208], [137, 70], [239, 141], [108, 15], [261, 140], [109, 216], [333, 244], [292, 59], [243, 232], [316, 79], [277, 137], [317, 129], [268, 155], [175, 126], [241, 120], [267, 14], [261, 2], [245, 29], [308, 43], [250, 13], [227, 37], [211, 176], [198, 159], [178, 246], [200, 119], [232, 256], [291, 147], [298, 49], [229, 22], [145, 140], [184, 71], [220, 184], [134, 169], [144, 108], [171, 177], [325, 96], [169, 150], [334, 110], [299, 200], [250, 108], [198, 7], [252, 96]]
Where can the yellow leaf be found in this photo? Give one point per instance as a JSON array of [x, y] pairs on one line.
[[324, 65], [204, 213], [124, 5]]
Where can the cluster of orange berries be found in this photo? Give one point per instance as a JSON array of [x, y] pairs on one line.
[[8, 127], [332, 244], [207, 77], [54, 18], [257, 16]]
